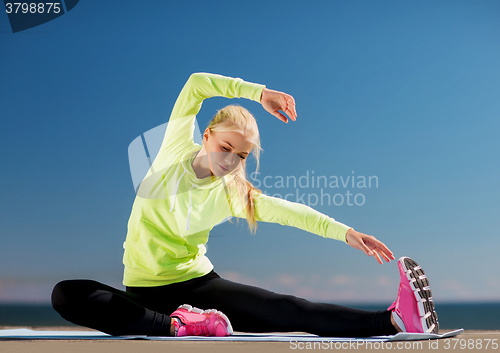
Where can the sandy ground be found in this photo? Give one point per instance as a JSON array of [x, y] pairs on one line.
[[472, 341]]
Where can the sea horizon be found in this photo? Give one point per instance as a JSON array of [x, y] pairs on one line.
[[452, 315]]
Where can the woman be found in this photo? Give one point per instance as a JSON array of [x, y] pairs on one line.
[[189, 189]]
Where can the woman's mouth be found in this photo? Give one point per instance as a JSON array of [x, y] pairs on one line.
[[222, 168]]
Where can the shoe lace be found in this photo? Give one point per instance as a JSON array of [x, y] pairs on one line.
[[199, 329]]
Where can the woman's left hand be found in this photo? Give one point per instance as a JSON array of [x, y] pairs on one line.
[[273, 101], [370, 245]]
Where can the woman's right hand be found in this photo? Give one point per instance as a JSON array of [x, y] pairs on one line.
[[370, 245], [273, 101]]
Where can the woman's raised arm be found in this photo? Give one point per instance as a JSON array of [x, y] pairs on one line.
[[200, 86]]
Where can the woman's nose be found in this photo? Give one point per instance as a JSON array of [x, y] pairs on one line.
[[230, 158]]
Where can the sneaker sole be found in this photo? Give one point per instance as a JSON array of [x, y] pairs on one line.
[[422, 292]]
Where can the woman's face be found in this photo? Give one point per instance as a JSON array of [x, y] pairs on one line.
[[226, 150]]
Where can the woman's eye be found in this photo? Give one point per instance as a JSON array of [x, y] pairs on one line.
[[227, 149]]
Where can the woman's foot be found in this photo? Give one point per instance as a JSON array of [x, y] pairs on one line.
[[413, 310], [190, 321]]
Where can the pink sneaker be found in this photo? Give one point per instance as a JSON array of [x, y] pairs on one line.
[[197, 322], [414, 305]]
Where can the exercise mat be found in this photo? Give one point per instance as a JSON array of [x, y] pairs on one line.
[[24, 333]]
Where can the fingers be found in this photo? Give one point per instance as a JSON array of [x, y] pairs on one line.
[[281, 117], [378, 257], [366, 249], [384, 252], [371, 246], [384, 255], [275, 101], [372, 252], [382, 249], [386, 258], [381, 252], [290, 107]]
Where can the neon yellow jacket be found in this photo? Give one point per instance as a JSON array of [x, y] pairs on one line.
[[174, 211]]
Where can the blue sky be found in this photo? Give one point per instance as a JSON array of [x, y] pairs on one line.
[[403, 91]]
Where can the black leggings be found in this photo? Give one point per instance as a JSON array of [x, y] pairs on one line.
[[146, 310]]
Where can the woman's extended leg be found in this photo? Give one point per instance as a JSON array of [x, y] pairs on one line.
[[107, 309], [254, 309]]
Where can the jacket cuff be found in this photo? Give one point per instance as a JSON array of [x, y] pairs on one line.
[[337, 230], [251, 90]]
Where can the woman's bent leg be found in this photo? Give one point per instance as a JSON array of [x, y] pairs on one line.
[[107, 309], [253, 309]]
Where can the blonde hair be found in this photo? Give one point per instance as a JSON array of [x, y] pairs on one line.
[[236, 118]]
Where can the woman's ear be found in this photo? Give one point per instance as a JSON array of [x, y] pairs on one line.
[[205, 134]]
